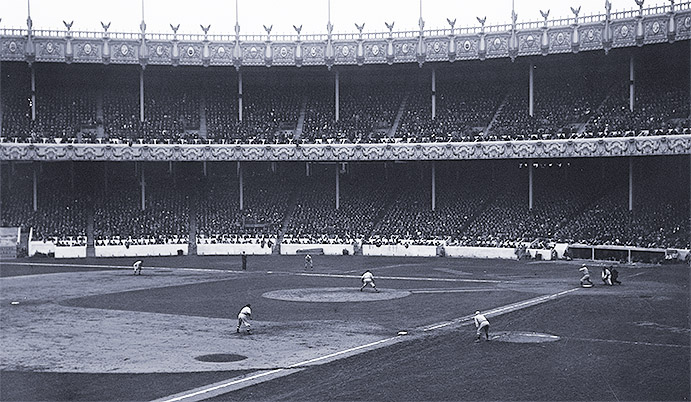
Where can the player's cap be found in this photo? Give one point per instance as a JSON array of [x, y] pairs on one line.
[[477, 312], [583, 265]]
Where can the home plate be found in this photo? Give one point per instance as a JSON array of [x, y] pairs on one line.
[[522, 337]]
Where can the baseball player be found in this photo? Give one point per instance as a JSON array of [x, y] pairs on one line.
[[368, 279], [606, 276], [585, 279], [482, 325], [308, 262], [243, 318], [137, 267]]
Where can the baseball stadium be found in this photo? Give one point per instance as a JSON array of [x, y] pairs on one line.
[[490, 212]]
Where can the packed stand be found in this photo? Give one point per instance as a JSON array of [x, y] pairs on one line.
[[119, 218], [315, 219], [218, 215], [367, 108], [661, 106], [464, 108], [60, 216]]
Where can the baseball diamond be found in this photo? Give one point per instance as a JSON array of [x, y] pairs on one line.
[[176, 321]]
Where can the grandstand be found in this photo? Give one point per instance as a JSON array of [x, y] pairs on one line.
[[582, 148]]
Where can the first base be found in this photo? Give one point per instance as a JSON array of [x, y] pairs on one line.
[[15, 303], [400, 333]]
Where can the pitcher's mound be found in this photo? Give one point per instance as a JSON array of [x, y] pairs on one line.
[[220, 358], [522, 337], [335, 295]]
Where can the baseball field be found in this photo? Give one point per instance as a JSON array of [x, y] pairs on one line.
[[90, 330]]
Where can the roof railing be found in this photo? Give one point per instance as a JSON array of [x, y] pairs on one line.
[[229, 37]]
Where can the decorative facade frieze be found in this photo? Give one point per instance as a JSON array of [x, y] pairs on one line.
[[284, 54], [345, 53], [190, 53], [87, 51], [160, 52], [467, 47], [591, 36], [611, 30], [437, 49], [497, 45], [50, 50], [594, 147], [655, 30], [313, 53], [404, 51], [12, 48], [529, 43], [624, 33]]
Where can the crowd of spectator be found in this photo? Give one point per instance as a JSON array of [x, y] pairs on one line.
[[60, 207], [95, 104], [378, 204]]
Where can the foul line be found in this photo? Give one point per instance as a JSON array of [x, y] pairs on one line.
[[219, 386], [503, 309]]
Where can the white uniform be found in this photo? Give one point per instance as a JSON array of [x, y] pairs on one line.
[[606, 276], [137, 267], [308, 262], [482, 325], [243, 318], [368, 279], [585, 279]]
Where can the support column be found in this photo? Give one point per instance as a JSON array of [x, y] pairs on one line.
[[204, 167], [72, 175], [434, 186], [337, 98], [338, 185], [239, 96], [632, 85], [531, 94], [241, 188], [143, 186], [105, 179], [0, 98], [33, 92], [630, 183], [530, 184], [141, 94], [307, 169], [434, 97], [35, 187]]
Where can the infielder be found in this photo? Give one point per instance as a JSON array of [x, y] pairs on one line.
[[137, 267], [308, 262], [243, 318], [585, 279], [482, 325], [606, 276], [368, 279]]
